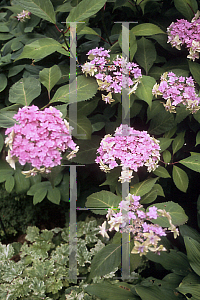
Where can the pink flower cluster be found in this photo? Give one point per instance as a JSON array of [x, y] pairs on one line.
[[25, 14], [186, 33], [177, 90], [128, 148], [38, 139], [111, 77], [132, 218]]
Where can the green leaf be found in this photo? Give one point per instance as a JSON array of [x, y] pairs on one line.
[[151, 293], [39, 195], [178, 142], [87, 107], [104, 200], [22, 184], [161, 172], [141, 188], [87, 30], [86, 89], [154, 109], [50, 76], [108, 291], [64, 188], [144, 90], [180, 179], [149, 197], [146, 29], [84, 128], [190, 286], [197, 138], [106, 260], [192, 162], [6, 119], [3, 82], [84, 10], [193, 253], [54, 195], [40, 48], [25, 91], [195, 70], [146, 54], [161, 123], [41, 8], [132, 41], [186, 7], [166, 156], [34, 188], [164, 143], [174, 260], [9, 184], [1, 142], [176, 212], [87, 150]]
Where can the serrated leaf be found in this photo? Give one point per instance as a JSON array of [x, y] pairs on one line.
[[86, 89], [141, 188], [25, 91], [41, 8], [176, 212], [178, 142], [144, 89], [193, 253], [192, 162], [103, 199], [106, 260], [40, 48], [180, 178], [50, 76], [146, 54], [39, 195], [9, 184], [161, 172], [84, 10]]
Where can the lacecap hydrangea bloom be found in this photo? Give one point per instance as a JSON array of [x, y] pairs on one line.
[[186, 33], [130, 149], [111, 77], [177, 90], [38, 139], [134, 219]]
